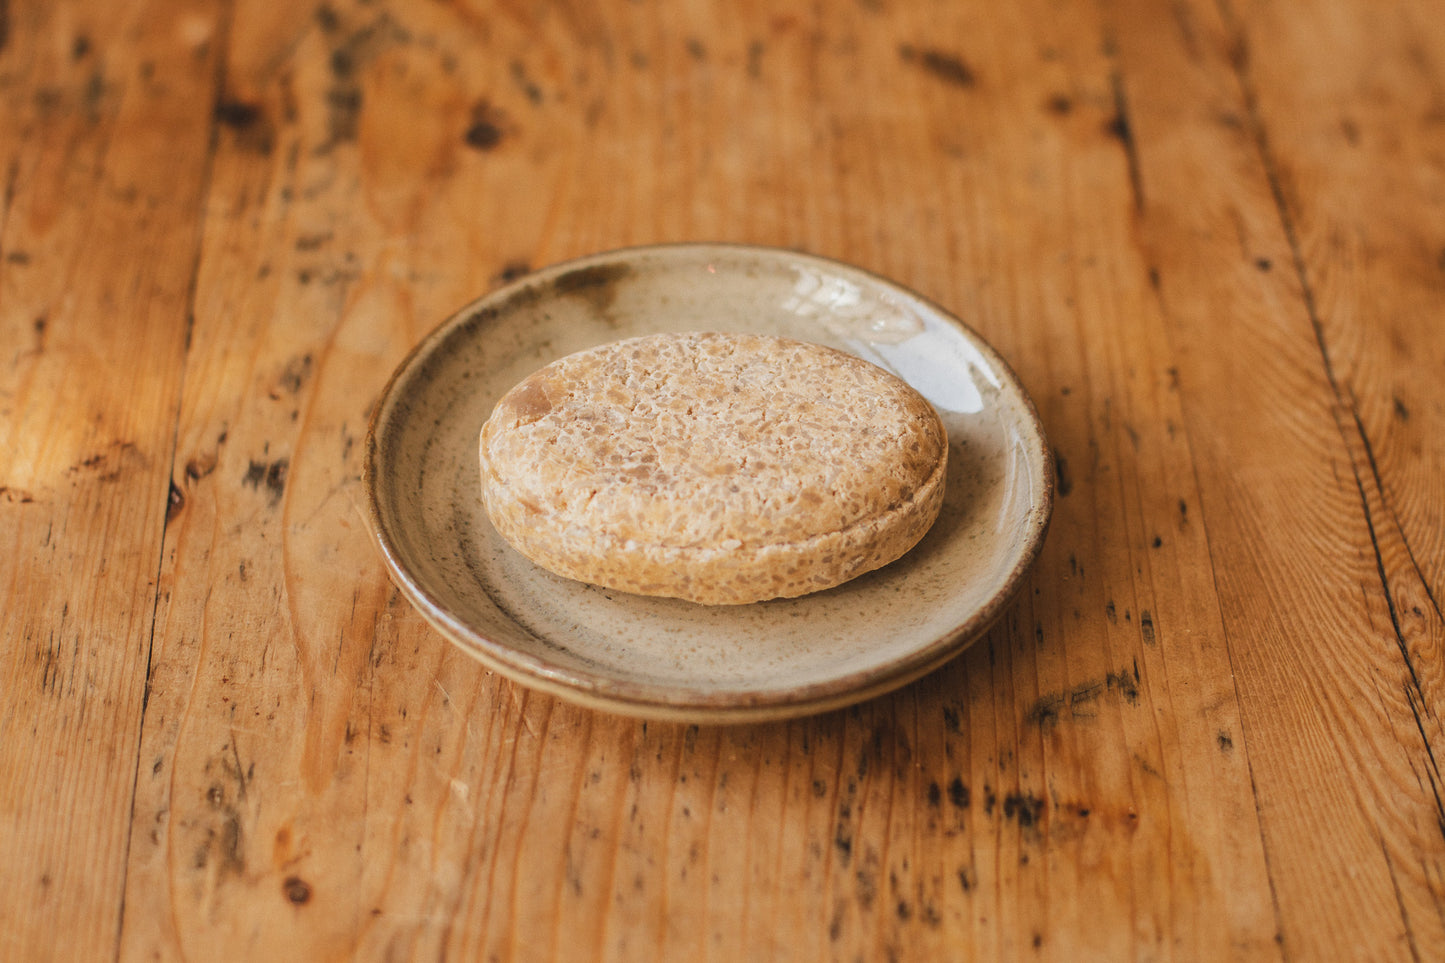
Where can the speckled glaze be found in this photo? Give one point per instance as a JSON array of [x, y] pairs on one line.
[[664, 658]]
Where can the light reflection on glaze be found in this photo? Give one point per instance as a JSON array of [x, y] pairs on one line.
[[893, 336]]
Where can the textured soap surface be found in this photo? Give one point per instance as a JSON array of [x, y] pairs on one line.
[[717, 468]]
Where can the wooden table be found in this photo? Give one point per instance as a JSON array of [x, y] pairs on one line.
[[1209, 236]]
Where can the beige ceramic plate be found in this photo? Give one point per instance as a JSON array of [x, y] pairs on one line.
[[671, 659]]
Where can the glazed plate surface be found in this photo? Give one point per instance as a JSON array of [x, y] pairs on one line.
[[663, 658]]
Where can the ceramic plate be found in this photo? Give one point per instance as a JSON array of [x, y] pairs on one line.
[[664, 658]]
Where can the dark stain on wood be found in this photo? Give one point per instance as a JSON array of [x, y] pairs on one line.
[[271, 477], [248, 123], [1121, 128], [754, 67], [17, 257], [1052, 708], [487, 127], [1187, 32], [1125, 684], [95, 91], [79, 47], [952, 720], [327, 19], [343, 113], [843, 832], [866, 879], [1401, 412], [236, 114], [1263, 263], [1146, 627], [296, 373], [1225, 741], [935, 794], [1059, 104], [111, 463], [225, 841], [511, 271], [525, 83], [946, 67], [1026, 808], [297, 890], [344, 99], [696, 50], [958, 793], [1065, 481]]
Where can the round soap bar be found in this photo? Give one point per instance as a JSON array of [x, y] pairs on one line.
[[717, 468]]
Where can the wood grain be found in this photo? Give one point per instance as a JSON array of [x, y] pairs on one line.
[[1205, 234], [104, 158], [1323, 671], [1370, 133]]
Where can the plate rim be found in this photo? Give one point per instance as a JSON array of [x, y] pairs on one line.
[[670, 701]]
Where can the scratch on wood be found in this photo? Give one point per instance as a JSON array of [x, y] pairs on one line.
[[1400, 903], [521, 706], [1380, 487], [240, 770], [1433, 772]]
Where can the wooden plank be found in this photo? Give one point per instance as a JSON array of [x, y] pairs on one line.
[[309, 752], [1357, 162], [1308, 528], [103, 148]]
